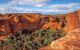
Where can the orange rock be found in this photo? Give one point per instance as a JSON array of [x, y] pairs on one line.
[[31, 17], [69, 42], [51, 24], [72, 39], [4, 27], [72, 21], [30, 21], [45, 26]]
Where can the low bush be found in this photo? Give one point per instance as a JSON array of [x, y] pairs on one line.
[[32, 41]]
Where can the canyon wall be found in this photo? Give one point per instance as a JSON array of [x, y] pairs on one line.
[[72, 21], [34, 21], [71, 40]]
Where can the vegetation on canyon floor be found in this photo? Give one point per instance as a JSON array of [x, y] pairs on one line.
[[23, 40]]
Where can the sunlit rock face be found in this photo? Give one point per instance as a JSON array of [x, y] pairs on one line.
[[72, 21], [70, 42], [78, 13]]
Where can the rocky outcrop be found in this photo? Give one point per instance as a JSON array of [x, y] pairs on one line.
[[72, 21], [30, 21], [70, 42], [16, 22], [78, 13], [4, 25], [72, 39]]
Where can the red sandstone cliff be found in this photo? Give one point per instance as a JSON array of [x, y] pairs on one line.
[[72, 21], [72, 39]]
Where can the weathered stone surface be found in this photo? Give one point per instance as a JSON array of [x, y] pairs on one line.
[[72, 21], [4, 27], [30, 21], [69, 42], [16, 22], [72, 39]]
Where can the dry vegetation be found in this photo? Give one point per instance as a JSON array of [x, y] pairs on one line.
[[23, 40]]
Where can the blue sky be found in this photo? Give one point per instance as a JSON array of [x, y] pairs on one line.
[[39, 6]]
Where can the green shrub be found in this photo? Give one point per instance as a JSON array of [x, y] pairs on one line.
[[32, 41]]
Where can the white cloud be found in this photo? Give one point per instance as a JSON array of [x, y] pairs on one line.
[[40, 7], [2, 8], [31, 1], [35, 3], [28, 1], [12, 2], [64, 6]]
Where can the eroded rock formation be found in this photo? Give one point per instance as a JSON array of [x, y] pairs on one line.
[[72, 39], [31, 22], [69, 42], [72, 21], [16, 22]]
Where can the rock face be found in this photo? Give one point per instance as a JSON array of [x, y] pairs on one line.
[[30, 21], [4, 25], [11, 23], [78, 13], [72, 39], [72, 21], [70, 42]]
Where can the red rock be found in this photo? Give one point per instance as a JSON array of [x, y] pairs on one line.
[[69, 42], [4, 27], [72, 39], [72, 21]]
